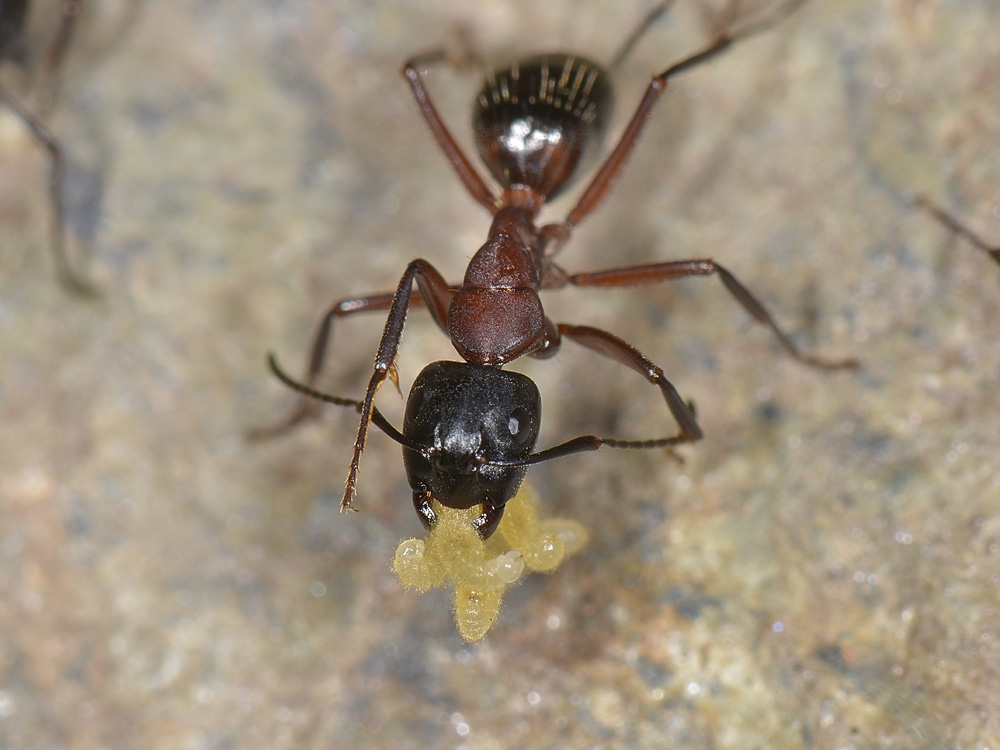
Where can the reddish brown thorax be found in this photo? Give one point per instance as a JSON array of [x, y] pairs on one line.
[[496, 316]]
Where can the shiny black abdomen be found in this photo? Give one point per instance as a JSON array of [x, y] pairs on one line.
[[536, 120]]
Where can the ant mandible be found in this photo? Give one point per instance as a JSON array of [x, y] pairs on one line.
[[470, 427], [13, 14]]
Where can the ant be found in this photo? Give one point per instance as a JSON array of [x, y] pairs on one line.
[[957, 227], [470, 427], [13, 14]]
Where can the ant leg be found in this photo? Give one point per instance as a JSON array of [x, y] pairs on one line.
[[656, 272], [308, 407], [612, 167], [437, 294], [468, 175], [438, 309], [377, 417], [67, 276], [957, 227], [629, 44], [619, 350], [56, 53]]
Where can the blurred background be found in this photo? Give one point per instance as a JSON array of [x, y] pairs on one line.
[[822, 571]]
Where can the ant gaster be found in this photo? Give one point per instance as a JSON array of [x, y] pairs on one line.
[[470, 427], [13, 15]]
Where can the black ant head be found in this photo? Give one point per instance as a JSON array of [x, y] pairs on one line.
[[468, 436], [465, 424]]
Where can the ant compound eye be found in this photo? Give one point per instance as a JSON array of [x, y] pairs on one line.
[[519, 426], [414, 403]]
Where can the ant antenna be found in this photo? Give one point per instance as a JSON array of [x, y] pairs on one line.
[[581, 444], [586, 443], [377, 417]]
